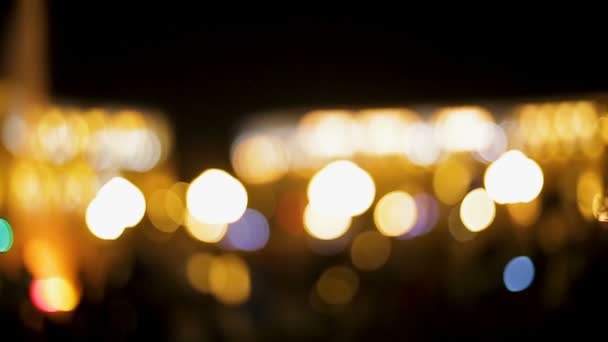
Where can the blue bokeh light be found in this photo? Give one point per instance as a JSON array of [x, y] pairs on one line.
[[518, 274], [249, 233]]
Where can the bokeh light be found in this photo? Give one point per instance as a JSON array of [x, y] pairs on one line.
[[337, 285], [421, 146], [250, 232], [160, 206], [215, 197], [518, 274], [477, 210], [197, 271], [589, 186], [463, 129], [6, 236], [370, 250], [451, 181], [427, 217], [259, 159], [496, 146], [118, 205], [381, 131], [210, 233], [341, 189], [325, 227], [513, 178], [395, 213], [55, 294], [229, 279], [327, 133]]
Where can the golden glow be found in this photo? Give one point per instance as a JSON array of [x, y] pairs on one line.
[[327, 133], [165, 210], [325, 227], [197, 271], [525, 214], [370, 251], [259, 159], [451, 181], [338, 285], [421, 146], [229, 279], [118, 205], [513, 178], [382, 130], [204, 232], [588, 187], [55, 294], [215, 197], [341, 189], [395, 213], [58, 140], [463, 129], [477, 210]]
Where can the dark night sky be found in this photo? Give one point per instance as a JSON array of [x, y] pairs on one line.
[[208, 71]]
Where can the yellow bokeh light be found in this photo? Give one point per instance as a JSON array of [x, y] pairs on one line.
[[57, 139], [128, 201], [229, 279], [55, 294], [588, 187], [259, 159], [451, 181], [215, 197], [477, 210], [205, 232], [337, 285], [327, 133], [102, 222], [395, 213], [165, 210], [525, 214], [325, 227], [382, 130], [463, 129], [197, 271], [341, 189], [118, 205], [513, 178], [370, 251], [421, 146]]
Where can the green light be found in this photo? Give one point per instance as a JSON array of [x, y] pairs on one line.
[[6, 236]]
